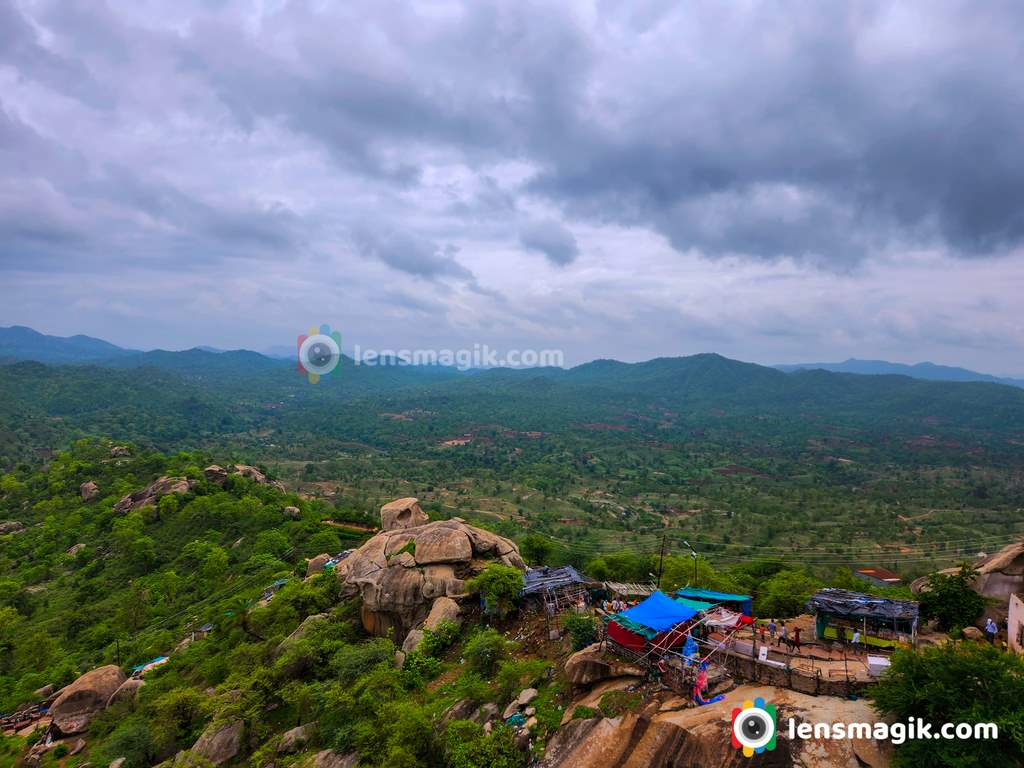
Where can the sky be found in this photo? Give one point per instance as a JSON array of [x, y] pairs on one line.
[[776, 182]]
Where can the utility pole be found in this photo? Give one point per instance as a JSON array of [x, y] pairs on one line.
[[661, 560], [693, 554]]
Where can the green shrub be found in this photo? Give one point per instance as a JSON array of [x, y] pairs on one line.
[[420, 668], [499, 586], [584, 713], [582, 629], [514, 675], [436, 641], [485, 650], [472, 687], [468, 746]]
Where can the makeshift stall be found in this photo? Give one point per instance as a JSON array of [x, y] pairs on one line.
[[658, 623], [881, 622]]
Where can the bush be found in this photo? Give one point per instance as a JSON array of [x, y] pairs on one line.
[[485, 650], [965, 683], [436, 641], [582, 629], [499, 586], [468, 746], [514, 675], [420, 668], [471, 687], [584, 713]]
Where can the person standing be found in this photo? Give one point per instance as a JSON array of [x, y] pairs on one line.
[[783, 635], [856, 641], [796, 638], [991, 630], [772, 629]]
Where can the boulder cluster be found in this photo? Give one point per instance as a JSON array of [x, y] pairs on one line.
[[218, 474], [412, 574], [151, 494]]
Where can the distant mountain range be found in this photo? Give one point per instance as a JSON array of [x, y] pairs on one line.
[[928, 371], [18, 343]]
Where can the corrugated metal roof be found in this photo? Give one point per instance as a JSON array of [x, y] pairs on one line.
[[542, 579]]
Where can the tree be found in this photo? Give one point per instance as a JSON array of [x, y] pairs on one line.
[[951, 600], [785, 594], [499, 586], [536, 549], [956, 683]]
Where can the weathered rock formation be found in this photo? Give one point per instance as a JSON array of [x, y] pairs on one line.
[[11, 526], [119, 451], [151, 494], [328, 758], [217, 474], [88, 490], [999, 575], [699, 737], [220, 742], [402, 571], [402, 513], [590, 665], [316, 564], [79, 702], [127, 691], [292, 513], [295, 739]]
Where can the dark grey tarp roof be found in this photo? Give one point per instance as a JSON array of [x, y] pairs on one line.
[[842, 602], [542, 579]]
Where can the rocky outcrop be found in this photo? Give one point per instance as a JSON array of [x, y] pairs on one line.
[[316, 564], [295, 739], [45, 692], [127, 691], [402, 513], [75, 549], [402, 572], [700, 736], [292, 513], [590, 665], [220, 742], [215, 473], [88, 490], [79, 702], [328, 758], [11, 526], [218, 474], [119, 451], [308, 624], [152, 493]]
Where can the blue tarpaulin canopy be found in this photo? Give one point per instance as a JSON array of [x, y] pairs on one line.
[[658, 612], [696, 593], [697, 605]]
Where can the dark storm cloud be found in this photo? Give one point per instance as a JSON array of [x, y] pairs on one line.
[[406, 253], [551, 239], [438, 147]]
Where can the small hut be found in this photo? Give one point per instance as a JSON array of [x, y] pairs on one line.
[[657, 624], [555, 588], [740, 603]]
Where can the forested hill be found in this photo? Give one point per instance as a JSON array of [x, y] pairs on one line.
[[187, 399]]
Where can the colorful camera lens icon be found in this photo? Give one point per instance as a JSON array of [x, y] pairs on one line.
[[319, 352], [753, 727]]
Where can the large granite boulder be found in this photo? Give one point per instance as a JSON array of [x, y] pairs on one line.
[[699, 736], [403, 571], [11, 526], [151, 494], [328, 758], [88, 490], [127, 691], [218, 474], [316, 564], [79, 702], [590, 665], [402, 513], [220, 742]]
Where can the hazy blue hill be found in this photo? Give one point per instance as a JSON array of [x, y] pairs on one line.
[[21, 343], [928, 371]]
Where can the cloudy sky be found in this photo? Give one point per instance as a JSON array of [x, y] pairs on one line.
[[776, 182]]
